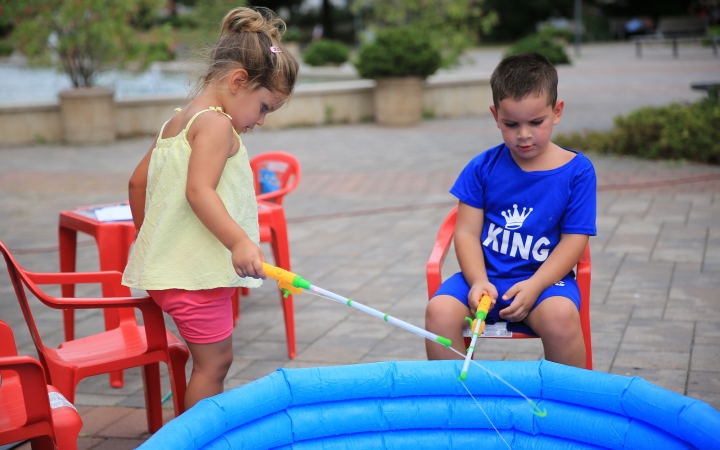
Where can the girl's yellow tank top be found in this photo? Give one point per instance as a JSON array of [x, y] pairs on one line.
[[174, 249]]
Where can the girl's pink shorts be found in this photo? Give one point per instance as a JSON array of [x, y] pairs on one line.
[[202, 317]]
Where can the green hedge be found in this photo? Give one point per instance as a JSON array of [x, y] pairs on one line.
[[326, 52], [687, 131], [399, 52], [543, 44]]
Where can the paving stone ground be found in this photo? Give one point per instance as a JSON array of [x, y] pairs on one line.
[[363, 221]]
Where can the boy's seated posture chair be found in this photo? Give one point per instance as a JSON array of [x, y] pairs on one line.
[[129, 345], [434, 280], [29, 408]]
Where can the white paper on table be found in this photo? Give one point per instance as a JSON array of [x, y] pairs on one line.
[[113, 213]]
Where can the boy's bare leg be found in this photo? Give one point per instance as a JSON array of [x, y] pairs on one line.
[[210, 365], [557, 321], [445, 316]]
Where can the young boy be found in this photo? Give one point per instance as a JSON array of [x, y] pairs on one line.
[[526, 210]]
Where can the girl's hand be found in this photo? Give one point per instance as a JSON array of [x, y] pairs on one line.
[[247, 259], [525, 293], [476, 292]]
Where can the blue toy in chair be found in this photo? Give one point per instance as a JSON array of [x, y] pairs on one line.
[[422, 405], [268, 181]]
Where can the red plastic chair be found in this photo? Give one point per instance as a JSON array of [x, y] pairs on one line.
[[584, 267], [287, 170], [25, 406], [126, 346]]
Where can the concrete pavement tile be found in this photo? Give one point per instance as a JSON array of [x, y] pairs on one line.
[[651, 359], [363, 326], [98, 399], [650, 312], [647, 334], [696, 199], [345, 351], [672, 380], [629, 205], [621, 243], [97, 419], [637, 297], [396, 349], [265, 350], [119, 444], [133, 425], [257, 369], [603, 358], [606, 340], [705, 357], [704, 381], [665, 210], [83, 443], [707, 333], [691, 313]]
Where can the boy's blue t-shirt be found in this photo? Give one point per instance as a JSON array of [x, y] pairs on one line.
[[526, 212]]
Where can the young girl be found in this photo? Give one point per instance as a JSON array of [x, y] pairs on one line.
[[193, 200]]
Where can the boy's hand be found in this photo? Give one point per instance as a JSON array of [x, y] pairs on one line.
[[476, 292], [525, 293], [247, 259]]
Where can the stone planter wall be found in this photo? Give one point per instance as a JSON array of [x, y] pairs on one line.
[[311, 105]]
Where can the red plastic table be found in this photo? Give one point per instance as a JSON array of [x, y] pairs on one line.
[[115, 238]]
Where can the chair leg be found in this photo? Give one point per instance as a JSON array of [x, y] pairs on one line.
[[179, 356], [282, 259], [153, 396], [42, 443]]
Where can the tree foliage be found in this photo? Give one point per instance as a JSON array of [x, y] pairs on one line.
[[83, 37], [452, 24]]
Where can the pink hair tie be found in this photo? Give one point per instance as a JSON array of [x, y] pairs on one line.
[[275, 49]]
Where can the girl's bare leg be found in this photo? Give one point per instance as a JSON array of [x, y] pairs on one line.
[[557, 321], [445, 316], [210, 366]]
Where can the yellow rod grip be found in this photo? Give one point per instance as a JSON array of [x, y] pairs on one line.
[[279, 274], [485, 303]]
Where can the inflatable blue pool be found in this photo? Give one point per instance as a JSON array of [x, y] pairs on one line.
[[422, 405]]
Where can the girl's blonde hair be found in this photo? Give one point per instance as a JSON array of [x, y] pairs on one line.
[[246, 38]]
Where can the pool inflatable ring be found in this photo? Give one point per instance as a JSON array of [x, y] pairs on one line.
[[421, 404]]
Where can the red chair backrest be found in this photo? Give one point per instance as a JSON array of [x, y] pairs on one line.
[[286, 168]]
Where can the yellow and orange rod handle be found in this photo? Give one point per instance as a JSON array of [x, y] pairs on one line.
[[477, 327], [291, 283]]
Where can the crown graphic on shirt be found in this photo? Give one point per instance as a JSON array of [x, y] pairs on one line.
[[514, 219]]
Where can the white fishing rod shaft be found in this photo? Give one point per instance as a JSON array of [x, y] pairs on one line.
[[470, 350], [380, 315]]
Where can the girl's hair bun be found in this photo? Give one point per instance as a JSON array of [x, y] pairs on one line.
[[250, 39], [256, 20]]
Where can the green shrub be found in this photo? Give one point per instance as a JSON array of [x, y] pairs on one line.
[[6, 48], [543, 44], [399, 52], [564, 34], [676, 131], [326, 52]]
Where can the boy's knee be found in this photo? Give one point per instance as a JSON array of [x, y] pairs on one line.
[[559, 319], [442, 310]]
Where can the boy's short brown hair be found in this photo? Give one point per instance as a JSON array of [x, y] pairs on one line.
[[520, 75]]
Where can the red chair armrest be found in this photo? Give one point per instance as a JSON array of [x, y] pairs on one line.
[[33, 384]]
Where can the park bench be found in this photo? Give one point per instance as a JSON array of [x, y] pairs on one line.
[[677, 29]]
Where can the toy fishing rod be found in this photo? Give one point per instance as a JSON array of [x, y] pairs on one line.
[[477, 327], [291, 283]]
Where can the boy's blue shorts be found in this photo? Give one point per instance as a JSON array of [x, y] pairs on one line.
[[457, 287]]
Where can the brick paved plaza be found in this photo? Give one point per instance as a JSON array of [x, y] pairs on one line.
[[363, 221]]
